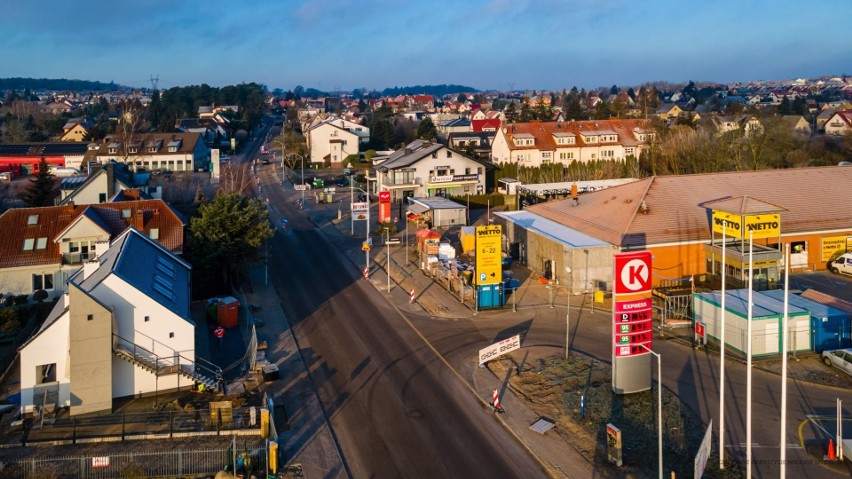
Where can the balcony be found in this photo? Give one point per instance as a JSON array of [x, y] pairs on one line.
[[76, 258], [401, 181]]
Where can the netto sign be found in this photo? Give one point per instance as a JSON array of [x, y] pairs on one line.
[[736, 226]]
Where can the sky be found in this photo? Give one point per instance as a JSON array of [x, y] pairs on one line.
[[486, 44]]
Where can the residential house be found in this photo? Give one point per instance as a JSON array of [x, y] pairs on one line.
[[76, 131], [839, 123], [101, 185], [477, 144], [457, 125], [425, 102], [330, 141], [122, 329], [536, 143], [424, 168], [42, 247], [150, 151], [486, 124], [668, 111], [796, 124]]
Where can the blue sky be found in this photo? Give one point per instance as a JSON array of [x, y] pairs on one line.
[[486, 44]]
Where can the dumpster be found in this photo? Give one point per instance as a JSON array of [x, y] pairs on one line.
[[227, 312]]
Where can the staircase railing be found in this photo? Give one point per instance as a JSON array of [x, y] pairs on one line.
[[199, 370]]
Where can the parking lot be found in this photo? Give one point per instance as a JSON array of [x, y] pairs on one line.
[[836, 285]]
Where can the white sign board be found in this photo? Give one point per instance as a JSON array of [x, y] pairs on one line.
[[100, 462], [360, 207], [703, 452], [300, 187], [505, 346]]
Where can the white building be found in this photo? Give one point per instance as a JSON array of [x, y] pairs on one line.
[[534, 144], [149, 151], [332, 140], [122, 329], [424, 169]]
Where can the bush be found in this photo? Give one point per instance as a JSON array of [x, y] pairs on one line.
[[9, 300], [40, 296], [390, 225], [21, 299]]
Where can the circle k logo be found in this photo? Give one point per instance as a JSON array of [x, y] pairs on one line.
[[633, 272]]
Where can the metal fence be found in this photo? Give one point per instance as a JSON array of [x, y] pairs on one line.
[[246, 458], [148, 424]]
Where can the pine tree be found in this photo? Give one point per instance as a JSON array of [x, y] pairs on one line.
[[41, 187]]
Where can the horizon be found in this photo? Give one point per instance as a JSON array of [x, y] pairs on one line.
[[489, 45]]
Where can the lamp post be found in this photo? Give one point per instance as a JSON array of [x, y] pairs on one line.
[[387, 246], [568, 314], [659, 410]]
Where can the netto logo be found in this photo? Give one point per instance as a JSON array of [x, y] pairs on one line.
[[635, 274], [488, 232], [759, 226], [730, 224]]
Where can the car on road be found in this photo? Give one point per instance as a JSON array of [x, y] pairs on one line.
[[341, 182], [839, 358]]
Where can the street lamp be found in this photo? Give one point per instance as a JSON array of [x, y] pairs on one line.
[[568, 315], [659, 410], [387, 246]]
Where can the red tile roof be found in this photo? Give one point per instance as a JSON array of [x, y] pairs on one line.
[[52, 220], [488, 123], [543, 132]]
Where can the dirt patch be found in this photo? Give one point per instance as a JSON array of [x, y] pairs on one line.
[[553, 387]]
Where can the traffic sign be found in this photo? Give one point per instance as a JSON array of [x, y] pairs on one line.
[[365, 247], [300, 187]]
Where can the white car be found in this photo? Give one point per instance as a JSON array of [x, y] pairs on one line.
[[839, 358]]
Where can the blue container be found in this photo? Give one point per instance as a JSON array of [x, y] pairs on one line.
[[830, 327], [489, 296]]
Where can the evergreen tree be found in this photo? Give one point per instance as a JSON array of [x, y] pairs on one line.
[[526, 112], [785, 108], [40, 190], [510, 113], [426, 129], [614, 90]]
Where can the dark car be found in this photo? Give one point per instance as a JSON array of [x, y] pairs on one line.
[[341, 182]]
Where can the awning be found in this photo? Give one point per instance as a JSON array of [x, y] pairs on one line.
[[418, 209]]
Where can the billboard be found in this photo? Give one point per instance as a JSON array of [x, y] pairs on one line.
[[505, 346], [766, 225], [360, 210], [489, 256], [834, 244]]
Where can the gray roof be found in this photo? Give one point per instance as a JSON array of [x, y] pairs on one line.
[[435, 203], [148, 267], [818, 310], [736, 301], [550, 229], [409, 155]]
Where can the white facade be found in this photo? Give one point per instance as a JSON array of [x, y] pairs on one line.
[[331, 144], [441, 173], [837, 125], [566, 151], [93, 192], [50, 347]]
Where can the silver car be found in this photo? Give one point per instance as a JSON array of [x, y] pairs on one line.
[[839, 358]]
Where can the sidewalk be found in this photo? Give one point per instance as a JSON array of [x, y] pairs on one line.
[[309, 440]]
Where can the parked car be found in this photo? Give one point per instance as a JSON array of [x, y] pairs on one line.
[[839, 358], [841, 264], [341, 182]]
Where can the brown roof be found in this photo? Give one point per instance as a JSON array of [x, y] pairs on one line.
[[674, 204], [543, 132], [828, 300], [52, 220], [143, 140]]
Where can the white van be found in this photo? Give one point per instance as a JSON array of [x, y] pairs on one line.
[[842, 264], [63, 172]]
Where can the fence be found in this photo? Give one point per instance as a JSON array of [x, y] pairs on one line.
[[246, 458], [145, 425]]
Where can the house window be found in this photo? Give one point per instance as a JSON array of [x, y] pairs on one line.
[[41, 243], [479, 170], [467, 171], [32, 220], [546, 155], [155, 233], [90, 317], [28, 244], [147, 318], [102, 198], [172, 149], [133, 149], [171, 335], [43, 281], [434, 154], [46, 373], [125, 213], [449, 154]]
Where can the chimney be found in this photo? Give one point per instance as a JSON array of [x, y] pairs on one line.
[[140, 220], [90, 267]]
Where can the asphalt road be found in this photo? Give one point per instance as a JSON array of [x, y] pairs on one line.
[[395, 407]]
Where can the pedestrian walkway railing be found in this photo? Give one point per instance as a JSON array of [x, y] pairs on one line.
[[248, 458], [198, 369]]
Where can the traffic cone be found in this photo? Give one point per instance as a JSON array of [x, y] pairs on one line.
[[831, 455]]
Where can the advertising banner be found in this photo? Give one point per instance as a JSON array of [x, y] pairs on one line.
[[505, 346], [489, 254], [834, 244], [766, 225]]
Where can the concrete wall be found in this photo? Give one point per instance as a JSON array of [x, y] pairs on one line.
[[89, 195], [90, 343]]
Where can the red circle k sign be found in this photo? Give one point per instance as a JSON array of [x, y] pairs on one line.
[[632, 272]]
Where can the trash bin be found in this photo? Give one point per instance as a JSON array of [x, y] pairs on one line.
[[270, 372], [227, 314]]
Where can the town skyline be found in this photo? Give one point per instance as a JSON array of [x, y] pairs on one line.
[[335, 45]]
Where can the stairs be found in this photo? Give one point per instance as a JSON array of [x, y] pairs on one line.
[[166, 365]]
